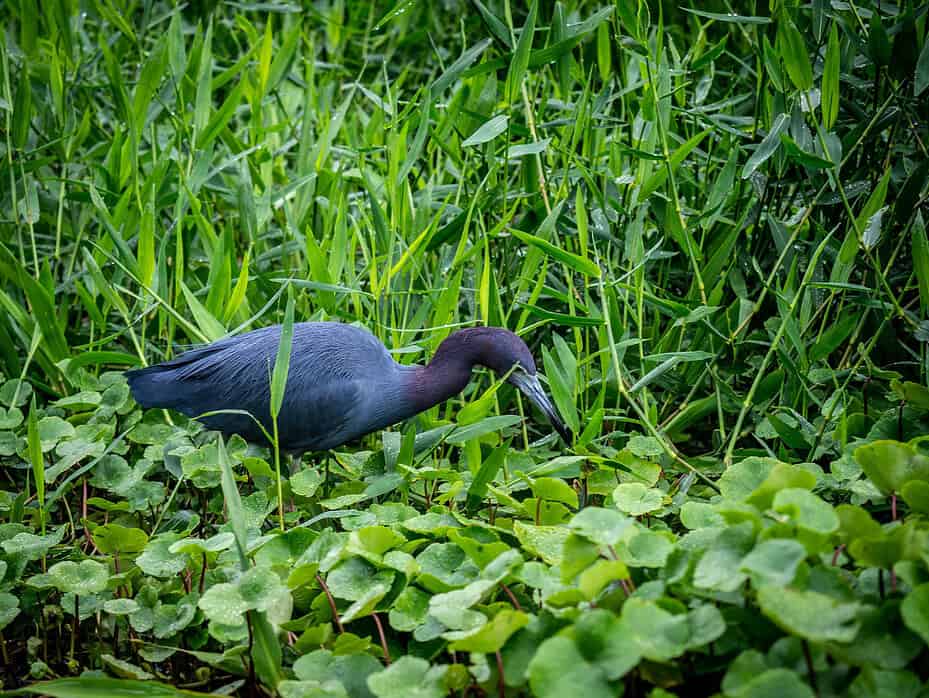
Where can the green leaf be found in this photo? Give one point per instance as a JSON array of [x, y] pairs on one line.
[[306, 482], [351, 671], [915, 611], [660, 635], [830, 80], [125, 669], [211, 328], [544, 541], [874, 683], [579, 264], [781, 476], [782, 683], [555, 490], [916, 494], [719, 568], [311, 689], [491, 636], [695, 515], [602, 526], [9, 608], [408, 677], [419, 140], [488, 425], [266, 649], [34, 447], [833, 336], [647, 548], [94, 687], [444, 566], [733, 18], [22, 110], [121, 606], [282, 361], [562, 379], [741, 479], [115, 539], [520, 61], [878, 41], [31, 546], [706, 625], [159, 559], [234, 509], [262, 589], [85, 577], [809, 614], [921, 81], [677, 158], [774, 562], [807, 510], [768, 145], [558, 669], [456, 69], [855, 522], [490, 466], [635, 499], [891, 464], [604, 640], [409, 609], [793, 51], [487, 131], [803, 157], [354, 577], [223, 603]]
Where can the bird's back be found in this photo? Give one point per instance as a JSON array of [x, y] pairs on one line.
[[333, 369]]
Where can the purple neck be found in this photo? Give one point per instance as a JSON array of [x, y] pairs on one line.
[[450, 369]]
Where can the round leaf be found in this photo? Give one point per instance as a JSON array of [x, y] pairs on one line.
[[810, 614], [636, 499], [85, 577]]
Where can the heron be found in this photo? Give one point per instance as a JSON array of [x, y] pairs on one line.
[[342, 382]]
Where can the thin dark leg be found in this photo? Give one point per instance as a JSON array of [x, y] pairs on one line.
[[326, 478]]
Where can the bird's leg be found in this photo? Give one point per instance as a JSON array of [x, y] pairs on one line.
[[293, 462], [326, 477]]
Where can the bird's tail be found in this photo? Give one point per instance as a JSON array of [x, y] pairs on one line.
[[174, 383], [151, 386]]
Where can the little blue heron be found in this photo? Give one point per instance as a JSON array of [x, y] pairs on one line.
[[342, 382]]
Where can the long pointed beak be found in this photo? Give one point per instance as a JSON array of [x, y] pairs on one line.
[[532, 388]]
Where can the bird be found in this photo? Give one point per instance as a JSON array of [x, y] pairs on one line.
[[342, 382]]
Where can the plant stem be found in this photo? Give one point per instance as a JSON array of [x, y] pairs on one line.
[[380, 632], [277, 472], [335, 612], [501, 680], [75, 628], [809, 666], [513, 599]]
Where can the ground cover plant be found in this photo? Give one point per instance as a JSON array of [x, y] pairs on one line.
[[708, 221]]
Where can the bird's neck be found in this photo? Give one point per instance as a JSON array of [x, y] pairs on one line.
[[446, 375], [430, 385]]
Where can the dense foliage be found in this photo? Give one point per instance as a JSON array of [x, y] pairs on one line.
[[708, 220]]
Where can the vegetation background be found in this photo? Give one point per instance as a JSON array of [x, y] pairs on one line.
[[708, 220]]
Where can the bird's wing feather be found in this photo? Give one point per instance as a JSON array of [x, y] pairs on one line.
[[326, 416], [332, 365]]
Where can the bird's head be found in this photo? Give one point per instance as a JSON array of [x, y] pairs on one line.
[[507, 355]]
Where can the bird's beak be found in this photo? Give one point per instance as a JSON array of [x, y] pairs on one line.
[[532, 388]]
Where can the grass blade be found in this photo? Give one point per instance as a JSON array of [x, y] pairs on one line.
[[34, 448], [576, 262], [520, 61]]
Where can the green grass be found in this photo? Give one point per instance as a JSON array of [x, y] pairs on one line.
[[708, 222]]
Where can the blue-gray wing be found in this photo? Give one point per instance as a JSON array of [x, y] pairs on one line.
[[323, 401], [324, 416]]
